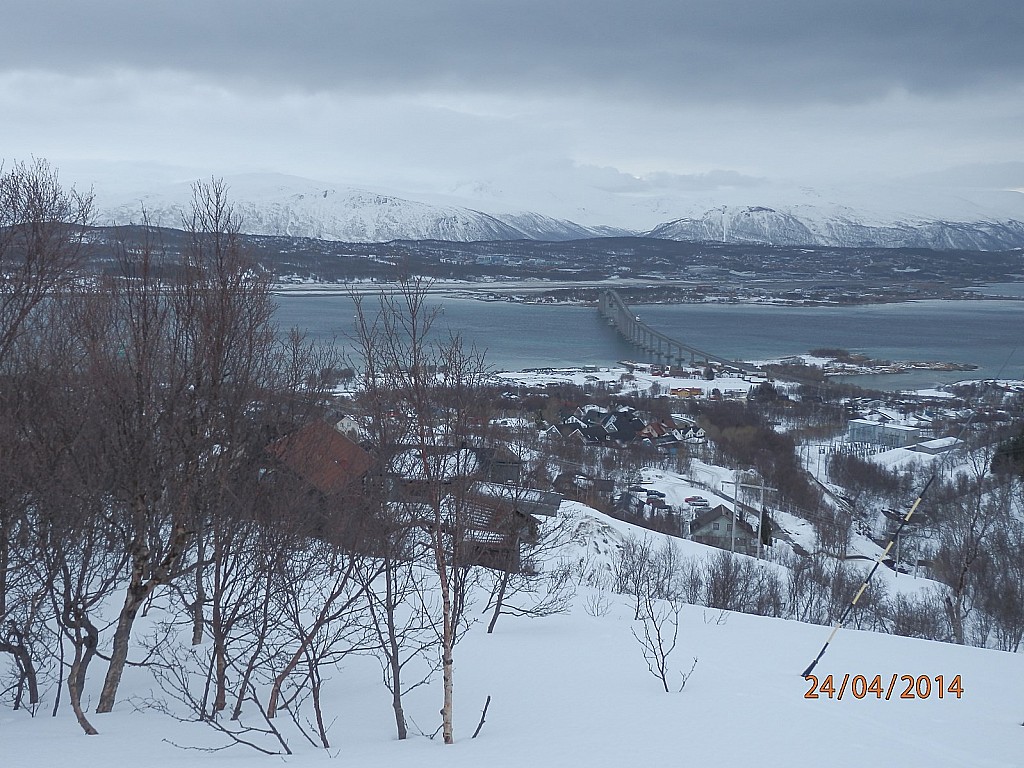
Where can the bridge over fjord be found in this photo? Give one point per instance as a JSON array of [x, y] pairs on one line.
[[664, 347]]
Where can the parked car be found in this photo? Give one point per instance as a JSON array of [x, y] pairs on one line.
[[652, 492], [636, 489], [691, 499]]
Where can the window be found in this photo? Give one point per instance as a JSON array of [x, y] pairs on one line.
[[717, 526]]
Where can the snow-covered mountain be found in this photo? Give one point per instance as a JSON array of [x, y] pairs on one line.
[[758, 224], [296, 207], [273, 204]]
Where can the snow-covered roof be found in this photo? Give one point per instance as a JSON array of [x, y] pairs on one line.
[[526, 500], [444, 464]]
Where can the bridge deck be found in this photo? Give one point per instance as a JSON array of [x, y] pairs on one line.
[[630, 327]]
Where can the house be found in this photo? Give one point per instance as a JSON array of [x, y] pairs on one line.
[[686, 391], [498, 519], [622, 425], [626, 503], [921, 422], [686, 424], [666, 436], [694, 434], [477, 487], [656, 429], [352, 429], [526, 500], [583, 487], [715, 528], [883, 433], [420, 472], [356, 498], [500, 464], [593, 434], [565, 430], [593, 425], [323, 457], [328, 475], [937, 446]]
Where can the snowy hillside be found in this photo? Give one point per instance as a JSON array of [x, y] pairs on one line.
[[574, 689]]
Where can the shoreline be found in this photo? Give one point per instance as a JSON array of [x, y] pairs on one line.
[[543, 293], [638, 377]]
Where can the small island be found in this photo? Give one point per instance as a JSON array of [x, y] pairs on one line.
[[835, 361]]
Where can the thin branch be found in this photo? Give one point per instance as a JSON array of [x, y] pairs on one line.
[[483, 717]]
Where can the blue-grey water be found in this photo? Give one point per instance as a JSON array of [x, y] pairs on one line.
[[1014, 290], [987, 333]]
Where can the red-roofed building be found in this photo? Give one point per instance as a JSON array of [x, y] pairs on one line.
[[323, 457]]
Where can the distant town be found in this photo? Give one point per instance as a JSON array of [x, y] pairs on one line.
[[645, 270]]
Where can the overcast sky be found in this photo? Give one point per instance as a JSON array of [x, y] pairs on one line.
[[445, 95]]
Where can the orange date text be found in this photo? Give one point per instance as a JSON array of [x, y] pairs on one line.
[[896, 686]]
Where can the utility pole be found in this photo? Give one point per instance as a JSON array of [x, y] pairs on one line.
[[760, 515], [736, 484], [735, 492]]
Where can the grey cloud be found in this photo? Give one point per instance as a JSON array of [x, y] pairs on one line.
[[978, 176], [609, 179], [782, 51], [704, 182]]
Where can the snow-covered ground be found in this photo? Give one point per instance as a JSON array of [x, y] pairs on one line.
[[574, 689], [633, 380]]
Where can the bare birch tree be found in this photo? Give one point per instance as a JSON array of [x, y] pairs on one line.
[[42, 228], [431, 386], [196, 384]]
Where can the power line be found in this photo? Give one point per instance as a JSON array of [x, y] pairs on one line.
[[863, 587], [903, 523]]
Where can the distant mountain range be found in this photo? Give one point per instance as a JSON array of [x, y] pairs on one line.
[[777, 227], [291, 206]]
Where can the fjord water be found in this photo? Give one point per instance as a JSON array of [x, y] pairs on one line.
[[989, 334]]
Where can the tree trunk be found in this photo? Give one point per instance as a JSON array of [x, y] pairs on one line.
[[396, 701], [220, 702], [119, 655], [138, 590], [85, 648], [75, 693], [446, 711], [293, 662], [499, 601], [217, 629], [394, 654], [4, 565], [198, 606], [956, 618], [26, 672], [261, 638], [447, 635]]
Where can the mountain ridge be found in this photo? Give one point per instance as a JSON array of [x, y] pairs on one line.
[[278, 205], [761, 225]]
